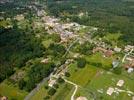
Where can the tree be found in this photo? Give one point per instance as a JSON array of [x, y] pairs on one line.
[[67, 74], [47, 98], [21, 84], [51, 91], [55, 37], [81, 62], [117, 70], [46, 87], [60, 80], [56, 86]]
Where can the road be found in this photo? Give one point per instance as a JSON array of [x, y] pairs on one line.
[[70, 46], [127, 55], [37, 88], [76, 88]]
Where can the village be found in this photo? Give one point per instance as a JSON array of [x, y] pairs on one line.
[[100, 64], [53, 26]]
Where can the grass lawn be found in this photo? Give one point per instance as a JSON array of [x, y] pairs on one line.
[[63, 93], [81, 76], [84, 75], [46, 43], [11, 92], [98, 58], [113, 38], [92, 78], [108, 79], [42, 92]]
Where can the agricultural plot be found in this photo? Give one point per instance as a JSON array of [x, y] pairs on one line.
[[94, 81], [11, 91]]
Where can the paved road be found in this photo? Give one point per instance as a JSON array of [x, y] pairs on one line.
[[70, 46], [76, 88], [36, 89]]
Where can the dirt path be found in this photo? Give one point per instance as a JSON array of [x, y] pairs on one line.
[[76, 88]]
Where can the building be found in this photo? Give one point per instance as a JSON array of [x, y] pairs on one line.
[[51, 82], [110, 91], [128, 48], [108, 53], [115, 63], [116, 49], [120, 83], [81, 98], [3, 98], [45, 61], [19, 17]]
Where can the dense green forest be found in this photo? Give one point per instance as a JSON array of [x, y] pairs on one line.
[[115, 16]]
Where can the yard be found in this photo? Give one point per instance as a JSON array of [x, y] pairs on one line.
[[94, 78], [11, 92], [85, 75], [63, 92]]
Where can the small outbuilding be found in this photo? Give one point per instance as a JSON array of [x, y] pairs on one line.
[[81, 98], [110, 91], [120, 83]]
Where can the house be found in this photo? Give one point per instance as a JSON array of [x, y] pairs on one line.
[[81, 98], [110, 91], [108, 53], [129, 66], [3, 98], [45, 60], [116, 49], [128, 48], [130, 70], [115, 63], [120, 83], [129, 58], [19, 17], [133, 98], [51, 82]]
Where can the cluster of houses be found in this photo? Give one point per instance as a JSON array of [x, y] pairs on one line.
[[52, 25], [129, 60], [111, 90], [60, 72], [106, 52]]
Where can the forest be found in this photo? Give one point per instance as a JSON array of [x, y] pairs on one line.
[[114, 16]]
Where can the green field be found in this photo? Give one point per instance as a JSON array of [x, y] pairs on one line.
[[63, 92], [92, 78], [11, 91], [84, 75]]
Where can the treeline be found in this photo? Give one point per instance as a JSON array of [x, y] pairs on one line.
[[16, 48], [112, 15], [35, 74]]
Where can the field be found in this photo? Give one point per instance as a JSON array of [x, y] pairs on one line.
[[93, 79], [85, 75], [11, 92], [63, 92], [102, 82]]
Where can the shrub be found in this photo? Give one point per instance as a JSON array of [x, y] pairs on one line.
[[81, 62], [21, 84], [60, 80], [56, 86], [47, 97], [67, 74], [46, 87], [52, 91]]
